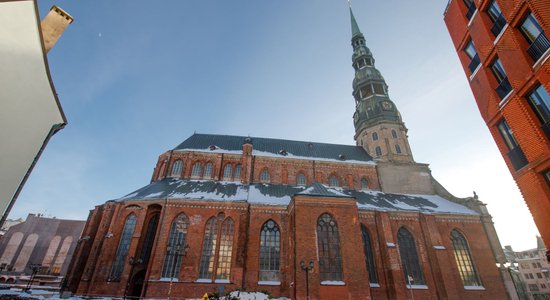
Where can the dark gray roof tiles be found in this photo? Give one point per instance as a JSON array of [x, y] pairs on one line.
[[281, 195], [274, 147]]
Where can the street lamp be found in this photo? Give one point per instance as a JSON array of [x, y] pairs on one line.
[[133, 262], [307, 269]]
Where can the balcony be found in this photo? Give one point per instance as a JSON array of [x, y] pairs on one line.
[[504, 88], [538, 47], [499, 23], [517, 158], [474, 63], [471, 11]]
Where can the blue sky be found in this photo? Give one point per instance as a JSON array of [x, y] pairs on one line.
[[136, 78]]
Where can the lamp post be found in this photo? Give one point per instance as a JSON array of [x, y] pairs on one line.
[[133, 262], [179, 251], [307, 269]]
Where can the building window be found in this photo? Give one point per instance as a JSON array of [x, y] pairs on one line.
[[495, 14], [470, 50], [532, 31], [150, 234], [333, 181], [123, 247], [375, 136], [364, 184], [264, 176], [397, 149], [379, 89], [228, 172], [217, 239], [197, 170], [409, 258], [176, 168], [394, 133], [546, 175], [366, 91], [369, 255], [533, 287], [471, 8], [540, 103], [238, 172], [208, 170], [378, 151], [539, 275], [504, 87], [176, 247], [270, 252], [301, 179], [515, 154], [328, 247], [464, 261]]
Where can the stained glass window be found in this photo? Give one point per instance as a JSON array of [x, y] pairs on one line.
[[328, 246], [123, 246], [369, 255], [270, 251], [225, 250], [218, 238], [206, 267], [409, 258], [176, 247], [464, 261]]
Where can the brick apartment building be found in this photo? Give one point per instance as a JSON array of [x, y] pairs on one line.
[[295, 218], [503, 46]]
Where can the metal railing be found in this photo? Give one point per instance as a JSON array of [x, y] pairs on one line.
[[499, 23], [538, 47]]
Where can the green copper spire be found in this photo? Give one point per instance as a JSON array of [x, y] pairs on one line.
[[354, 28]]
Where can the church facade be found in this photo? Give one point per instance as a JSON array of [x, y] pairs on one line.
[[298, 219]]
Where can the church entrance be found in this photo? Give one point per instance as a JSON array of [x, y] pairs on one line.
[[136, 285]]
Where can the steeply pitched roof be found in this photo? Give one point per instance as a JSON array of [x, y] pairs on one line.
[[272, 194], [275, 147]]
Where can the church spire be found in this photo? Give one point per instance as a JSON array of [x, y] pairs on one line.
[[378, 125]]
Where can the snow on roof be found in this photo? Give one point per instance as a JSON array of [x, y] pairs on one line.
[[281, 195]]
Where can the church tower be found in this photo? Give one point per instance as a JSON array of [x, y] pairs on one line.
[[378, 125]]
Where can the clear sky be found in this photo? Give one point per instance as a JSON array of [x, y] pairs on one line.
[[136, 78]]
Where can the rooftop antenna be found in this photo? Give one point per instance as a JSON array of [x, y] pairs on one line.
[[349, 3]]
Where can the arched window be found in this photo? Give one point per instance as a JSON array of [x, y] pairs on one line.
[[150, 234], [409, 258], [333, 181], [197, 170], [217, 239], [237, 174], [375, 136], [264, 176], [227, 172], [208, 170], [270, 251], [123, 246], [364, 183], [176, 247], [328, 247], [394, 133], [378, 151], [397, 149], [369, 255], [176, 168], [464, 261], [301, 179]]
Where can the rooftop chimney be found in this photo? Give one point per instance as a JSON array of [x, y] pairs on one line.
[[53, 26]]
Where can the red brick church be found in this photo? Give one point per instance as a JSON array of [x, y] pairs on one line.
[[295, 218]]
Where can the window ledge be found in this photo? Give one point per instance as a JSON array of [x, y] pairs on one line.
[[374, 285], [500, 34], [474, 73], [474, 288], [332, 282], [504, 100], [203, 280], [472, 17], [543, 58], [269, 283], [417, 286], [221, 281], [165, 279], [438, 247]]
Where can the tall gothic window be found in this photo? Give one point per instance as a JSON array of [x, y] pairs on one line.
[[409, 258], [369, 255], [264, 176], [227, 172], [464, 261], [270, 251], [197, 170], [301, 179], [208, 171], [378, 151], [375, 136], [328, 245], [333, 181], [237, 174], [394, 133], [149, 239], [176, 247], [123, 247], [397, 149], [218, 238], [176, 168]]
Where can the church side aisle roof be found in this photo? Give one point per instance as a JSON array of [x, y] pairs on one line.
[[272, 194], [275, 147]]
